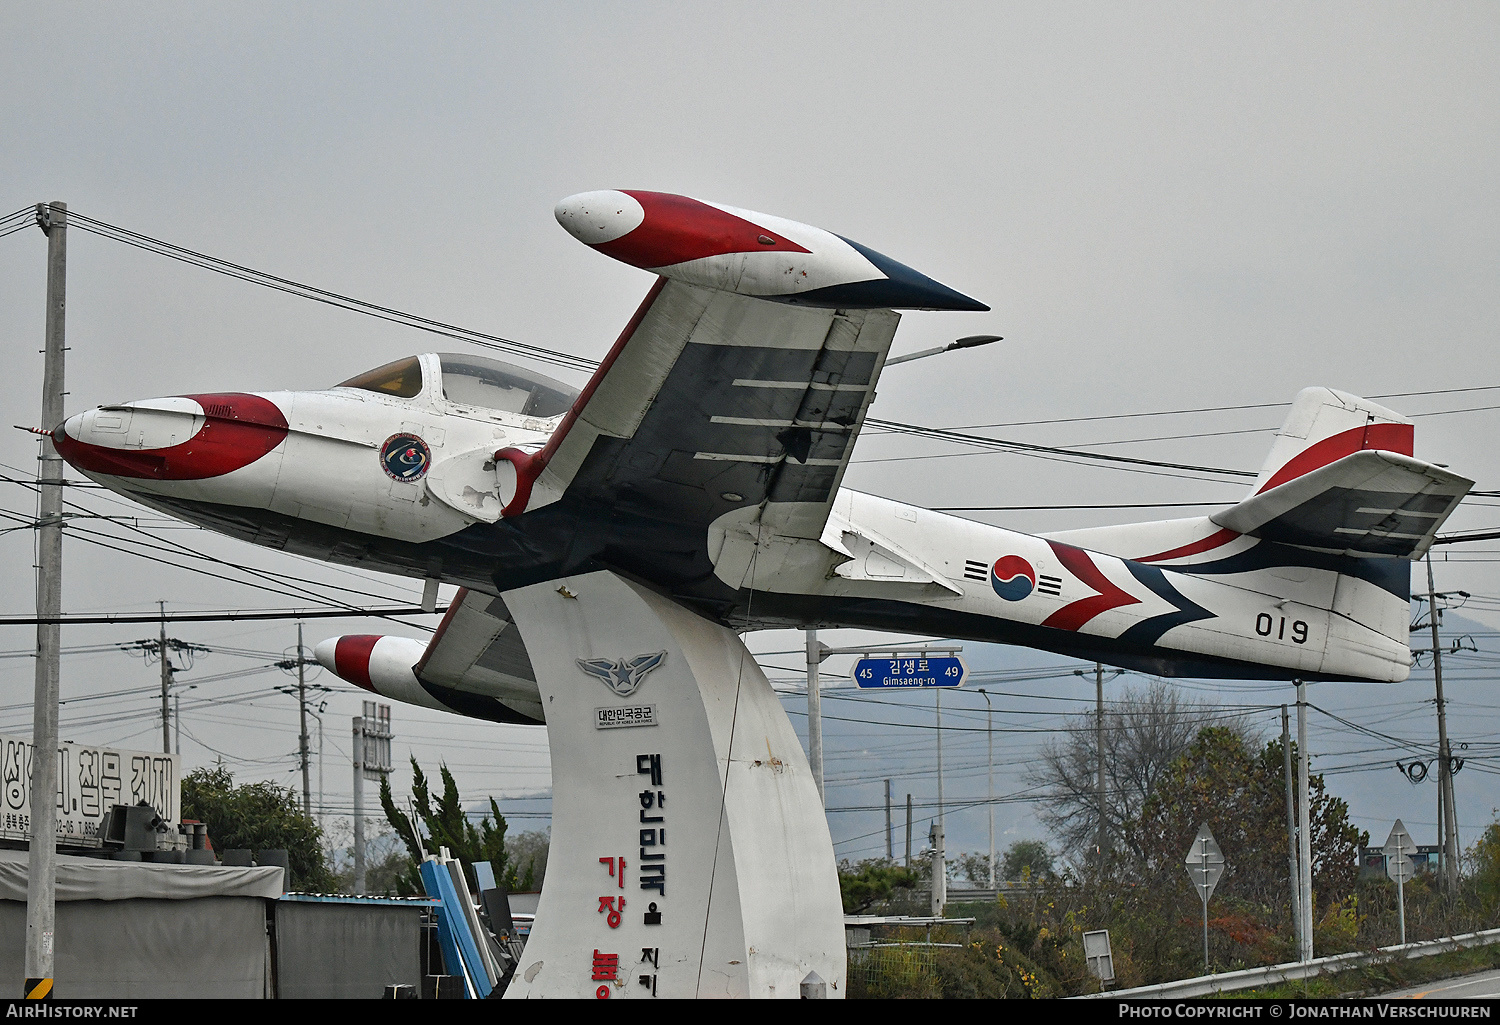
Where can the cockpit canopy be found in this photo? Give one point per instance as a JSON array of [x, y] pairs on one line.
[[473, 381]]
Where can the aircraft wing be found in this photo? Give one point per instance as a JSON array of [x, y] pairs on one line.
[[713, 401]]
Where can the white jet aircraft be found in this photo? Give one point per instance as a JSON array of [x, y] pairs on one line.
[[704, 460]]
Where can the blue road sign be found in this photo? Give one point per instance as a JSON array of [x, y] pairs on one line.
[[910, 671]]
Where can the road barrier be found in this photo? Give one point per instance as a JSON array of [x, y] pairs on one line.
[[1250, 978]]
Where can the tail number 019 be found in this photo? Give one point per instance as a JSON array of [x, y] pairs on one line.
[[1266, 624]]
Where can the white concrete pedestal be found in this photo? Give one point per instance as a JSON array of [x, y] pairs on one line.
[[729, 884]]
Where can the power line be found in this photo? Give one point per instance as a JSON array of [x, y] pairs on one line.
[[305, 291], [227, 616], [981, 441]]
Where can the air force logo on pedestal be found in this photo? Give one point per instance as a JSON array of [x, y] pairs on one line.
[[622, 676]]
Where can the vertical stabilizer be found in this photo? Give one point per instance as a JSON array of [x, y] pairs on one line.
[[1325, 425]]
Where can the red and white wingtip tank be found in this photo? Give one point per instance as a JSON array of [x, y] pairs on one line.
[[748, 253]]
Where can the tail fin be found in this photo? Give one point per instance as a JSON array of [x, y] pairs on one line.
[[1325, 425], [1336, 513]]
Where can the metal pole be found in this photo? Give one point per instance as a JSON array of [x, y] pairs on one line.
[[908, 830], [166, 684], [1204, 857], [1442, 833], [1445, 760], [1304, 824], [939, 869], [302, 743], [41, 879], [937, 694], [939, 856], [1099, 756], [1400, 891], [989, 739], [359, 804], [1293, 875], [177, 721], [890, 851], [321, 805], [814, 713]]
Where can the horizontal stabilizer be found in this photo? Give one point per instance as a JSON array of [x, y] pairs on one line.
[[1369, 503]]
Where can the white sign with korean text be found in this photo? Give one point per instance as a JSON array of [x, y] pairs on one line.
[[91, 781]]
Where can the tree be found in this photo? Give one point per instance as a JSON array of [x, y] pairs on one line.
[[1484, 856], [1027, 859], [871, 882], [257, 816], [1241, 793], [530, 849], [446, 824], [1145, 731]]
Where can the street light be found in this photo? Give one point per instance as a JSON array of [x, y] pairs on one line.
[[966, 342]]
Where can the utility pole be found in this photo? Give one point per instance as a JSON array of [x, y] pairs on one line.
[[1099, 758], [359, 803], [304, 752], [1293, 875], [160, 647], [1449, 817], [989, 738], [890, 851], [815, 712], [302, 708], [1304, 825], [166, 684], [908, 830], [41, 879]]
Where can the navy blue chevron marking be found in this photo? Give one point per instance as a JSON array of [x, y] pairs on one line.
[[1150, 631], [1391, 575]]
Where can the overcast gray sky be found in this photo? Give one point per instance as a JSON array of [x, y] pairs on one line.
[[1167, 205]]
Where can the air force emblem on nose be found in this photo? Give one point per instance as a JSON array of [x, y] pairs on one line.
[[622, 676]]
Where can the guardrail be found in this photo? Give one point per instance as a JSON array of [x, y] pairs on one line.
[[1250, 978]]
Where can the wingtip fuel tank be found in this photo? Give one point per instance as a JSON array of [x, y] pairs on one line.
[[748, 253]]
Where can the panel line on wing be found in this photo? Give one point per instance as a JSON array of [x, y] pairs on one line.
[[745, 382], [731, 457], [747, 421]]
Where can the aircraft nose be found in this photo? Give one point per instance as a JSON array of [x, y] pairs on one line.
[[182, 438]]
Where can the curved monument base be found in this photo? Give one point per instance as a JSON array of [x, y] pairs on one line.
[[690, 855]]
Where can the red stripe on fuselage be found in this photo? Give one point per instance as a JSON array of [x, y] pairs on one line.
[[678, 229], [1387, 437], [351, 659], [1207, 544], [237, 430], [1075, 614]]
